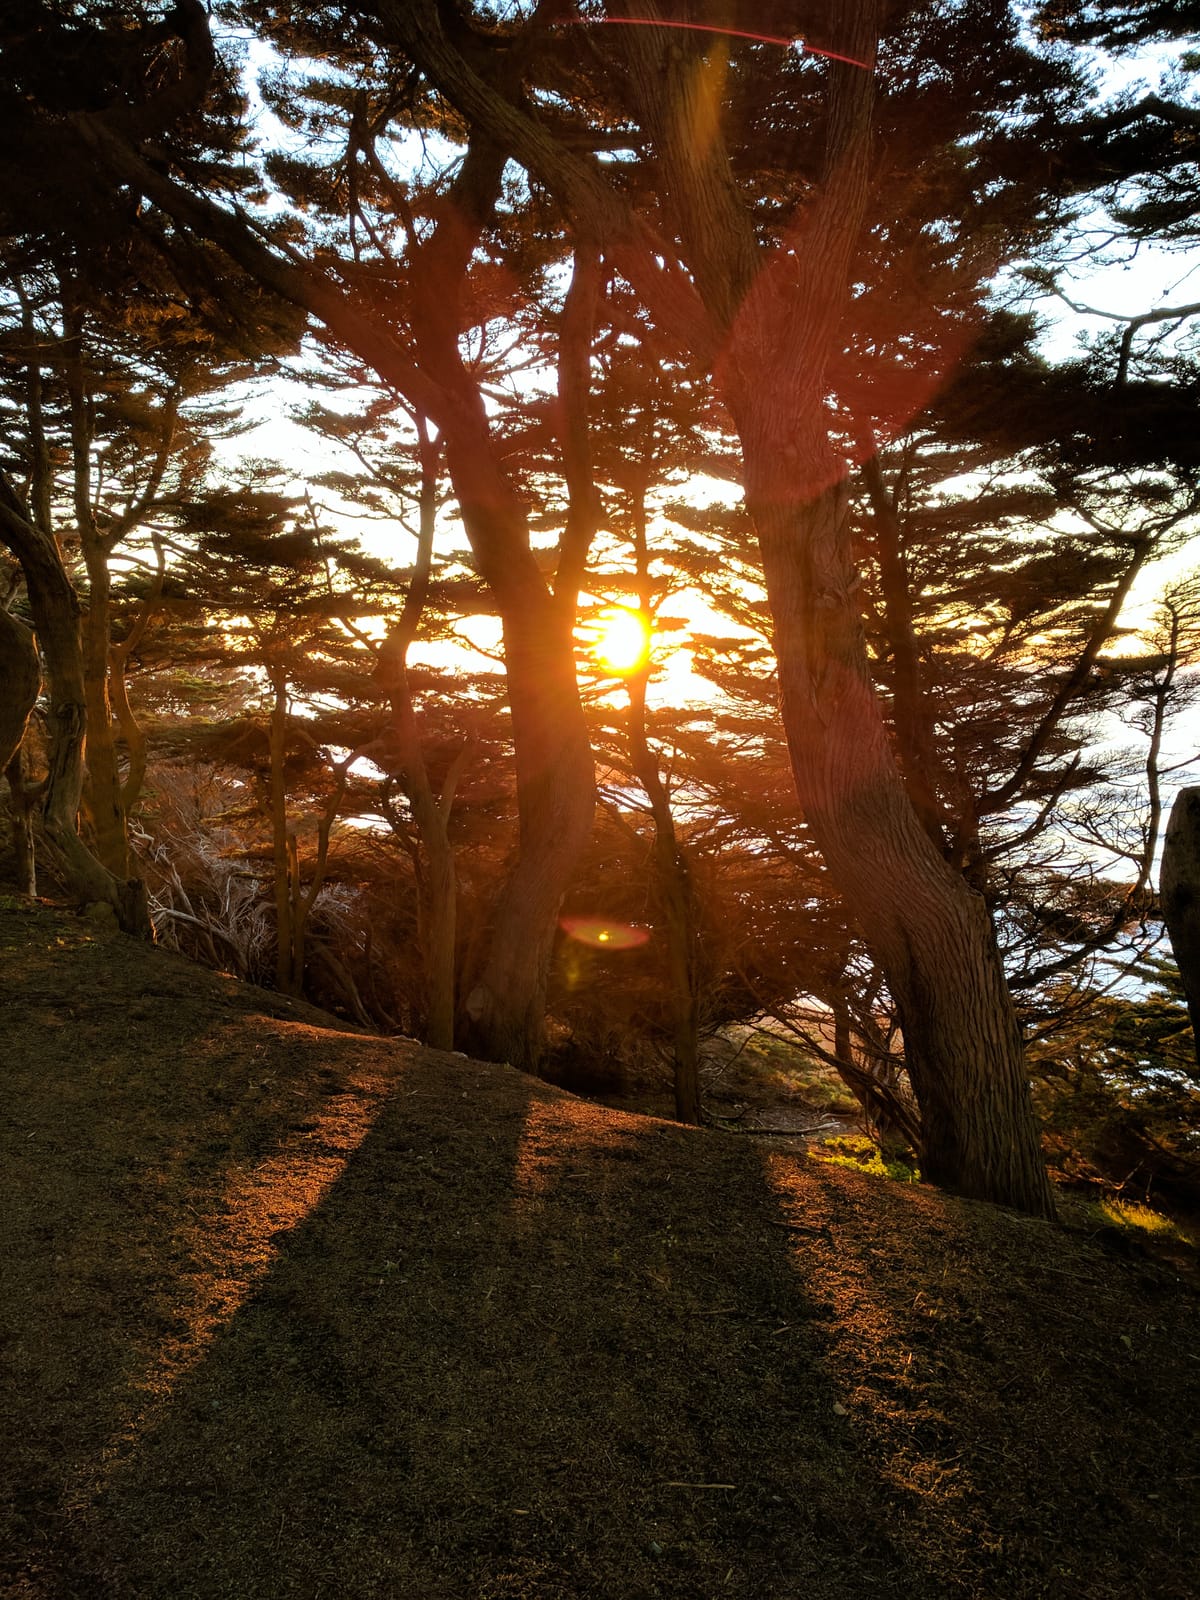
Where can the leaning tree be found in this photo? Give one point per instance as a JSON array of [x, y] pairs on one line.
[[814, 229]]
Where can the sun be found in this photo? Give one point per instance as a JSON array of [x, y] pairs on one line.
[[622, 643]]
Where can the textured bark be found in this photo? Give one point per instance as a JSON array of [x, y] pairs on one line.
[[556, 801], [910, 707], [437, 885], [289, 961], [55, 609], [103, 789], [890, 1112], [1179, 888], [20, 681], [22, 798], [437, 878]]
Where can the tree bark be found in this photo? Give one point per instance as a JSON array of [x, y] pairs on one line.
[[555, 802], [55, 609], [102, 792], [910, 709], [677, 908], [437, 888], [1179, 888], [20, 681], [22, 797], [289, 962]]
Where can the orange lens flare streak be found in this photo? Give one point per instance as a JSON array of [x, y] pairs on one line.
[[731, 33], [602, 935]]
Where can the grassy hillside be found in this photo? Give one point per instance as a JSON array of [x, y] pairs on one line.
[[287, 1310]]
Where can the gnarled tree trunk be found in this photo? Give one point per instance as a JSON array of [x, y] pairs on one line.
[[1179, 888], [55, 609], [930, 932], [20, 680], [555, 800]]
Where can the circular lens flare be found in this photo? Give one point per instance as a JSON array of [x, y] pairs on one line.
[[622, 644], [603, 935]]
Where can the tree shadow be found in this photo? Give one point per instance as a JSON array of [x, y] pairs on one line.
[[521, 1346], [507, 1343]]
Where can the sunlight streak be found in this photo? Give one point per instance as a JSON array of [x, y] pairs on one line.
[[555, 1143], [232, 1244]]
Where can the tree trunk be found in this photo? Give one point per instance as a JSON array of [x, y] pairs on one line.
[[103, 789], [22, 798], [289, 964], [930, 932], [437, 889], [676, 907], [910, 708], [55, 610], [892, 1117], [555, 801], [1179, 888], [20, 681]]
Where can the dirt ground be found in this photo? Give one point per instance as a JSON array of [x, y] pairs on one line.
[[290, 1311]]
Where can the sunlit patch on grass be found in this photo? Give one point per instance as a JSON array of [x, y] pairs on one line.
[[231, 1244], [557, 1141], [1136, 1218], [861, 1154]]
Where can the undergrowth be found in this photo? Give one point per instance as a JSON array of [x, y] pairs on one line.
[[862, 1154]]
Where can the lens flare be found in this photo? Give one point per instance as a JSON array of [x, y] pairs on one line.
[[600, 934], [798, 40]]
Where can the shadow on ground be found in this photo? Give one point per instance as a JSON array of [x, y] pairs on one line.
[[301, 1313]]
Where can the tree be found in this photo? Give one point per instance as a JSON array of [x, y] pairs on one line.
[[97, 363], [20, 681], [765, 306], [391, 485], [743, 220], [1180, 889], [414, 346]]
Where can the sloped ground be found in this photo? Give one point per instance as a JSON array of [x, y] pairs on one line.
[[290, 1311]]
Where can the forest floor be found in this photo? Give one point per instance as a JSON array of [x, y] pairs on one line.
[[291, 1311]]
